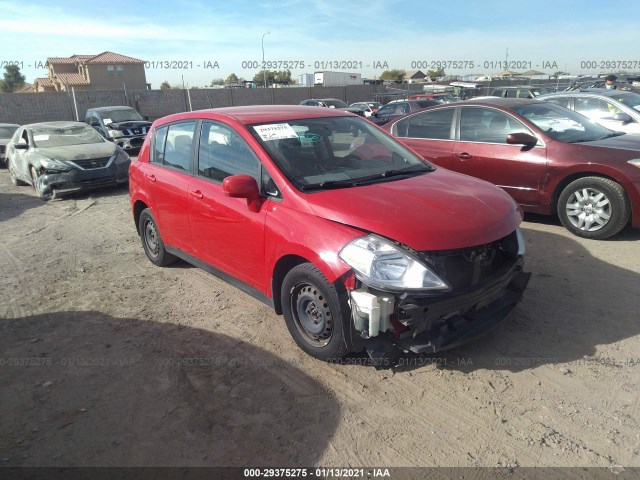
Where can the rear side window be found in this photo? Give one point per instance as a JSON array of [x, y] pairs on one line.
[[434, 124], [562, 101], [173, 145], [223, 152]]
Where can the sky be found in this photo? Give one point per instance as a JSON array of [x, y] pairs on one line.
[[197, 41]]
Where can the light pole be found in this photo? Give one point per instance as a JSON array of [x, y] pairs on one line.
[[264, 72]]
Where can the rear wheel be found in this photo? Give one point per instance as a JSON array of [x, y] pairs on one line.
[[151, 240], [313, 314], [594, 207]]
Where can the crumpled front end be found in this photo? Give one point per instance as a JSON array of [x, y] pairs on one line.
[[487, 281], [83, 174]]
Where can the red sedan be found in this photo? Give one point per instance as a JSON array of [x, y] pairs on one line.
[[356, 240], [548, 158]]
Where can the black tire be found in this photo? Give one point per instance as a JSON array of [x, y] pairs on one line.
[[152, 241], [12, 174], [313, 313], [594, 207]]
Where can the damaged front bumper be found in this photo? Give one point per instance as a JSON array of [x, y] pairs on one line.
[[129, 143], [431, 323], [54, 184]]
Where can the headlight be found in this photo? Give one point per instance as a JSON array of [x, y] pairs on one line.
[[635, 162], [116, 133], [381, 264], [54, 165], [121, 156]]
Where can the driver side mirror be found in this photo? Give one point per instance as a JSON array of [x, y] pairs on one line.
[[243, 186], [623, 117], [522, 138], [94, 123]]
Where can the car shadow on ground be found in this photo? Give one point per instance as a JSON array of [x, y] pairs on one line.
[[574, 303], [87, 389], [627, 234], [14, 204]]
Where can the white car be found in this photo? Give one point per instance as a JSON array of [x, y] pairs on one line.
[[615, 109]]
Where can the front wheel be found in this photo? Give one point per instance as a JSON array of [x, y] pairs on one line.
[[594, 207], [151, 240], [313, 313], [36, 185]]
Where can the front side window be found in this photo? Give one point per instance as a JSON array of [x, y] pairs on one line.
[[433, 124], [595, 107], [487, 125], [562, 124], [173, 144], [222, 152], [336, 152]]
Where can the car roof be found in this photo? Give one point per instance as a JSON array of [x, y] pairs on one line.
[[104, 109], [518, 86], [60, 124], [605, 92], [260, 113], [497, 101]]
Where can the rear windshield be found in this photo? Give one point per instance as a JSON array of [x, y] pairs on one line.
[[7, 132]]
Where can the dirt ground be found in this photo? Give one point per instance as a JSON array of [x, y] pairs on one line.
[[107, 360]]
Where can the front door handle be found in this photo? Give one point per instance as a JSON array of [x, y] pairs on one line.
[[197, 194], [463, 156], [151, 177]]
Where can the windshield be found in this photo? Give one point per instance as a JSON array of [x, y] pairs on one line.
[[630, 99], [563, 124], [334, 102], [62, 137], [121, 115], [336, 152], [7, 132]]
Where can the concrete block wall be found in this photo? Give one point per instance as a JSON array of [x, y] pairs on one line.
[[39, 107]]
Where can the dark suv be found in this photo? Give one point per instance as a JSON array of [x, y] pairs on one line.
[[122, 125]]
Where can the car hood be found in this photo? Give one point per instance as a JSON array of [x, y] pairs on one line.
[[629, 141], [78, 152], [129, 124], [439, 210]]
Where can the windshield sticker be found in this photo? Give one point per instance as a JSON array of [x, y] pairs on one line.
[[276, 131], [107, 121], [40, 138], [309, 137]]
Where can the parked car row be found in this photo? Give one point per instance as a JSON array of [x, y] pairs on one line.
[[420, 248]]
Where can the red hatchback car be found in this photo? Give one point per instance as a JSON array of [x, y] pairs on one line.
[[332, 222], [547, 157]]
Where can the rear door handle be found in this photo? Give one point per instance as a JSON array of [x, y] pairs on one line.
[[197, 194], [463, 156], [151, 177]]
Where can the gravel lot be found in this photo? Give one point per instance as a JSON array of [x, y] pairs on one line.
[[108, 360]]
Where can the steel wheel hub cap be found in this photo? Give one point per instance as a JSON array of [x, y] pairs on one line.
[[588, 209], [313, 316], [150, 236]]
